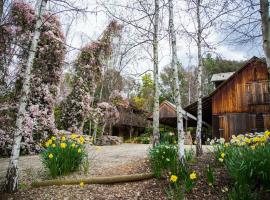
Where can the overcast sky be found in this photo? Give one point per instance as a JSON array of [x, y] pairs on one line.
[[90, 27]]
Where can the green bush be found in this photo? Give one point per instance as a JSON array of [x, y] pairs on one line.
[[64, 155]]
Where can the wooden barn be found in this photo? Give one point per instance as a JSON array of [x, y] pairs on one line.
[[239, 104], [132, 122]]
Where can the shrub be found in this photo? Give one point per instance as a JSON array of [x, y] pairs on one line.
[[247, 161], [64, 155]]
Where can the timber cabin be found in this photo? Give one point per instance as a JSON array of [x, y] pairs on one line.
[[240, 102]]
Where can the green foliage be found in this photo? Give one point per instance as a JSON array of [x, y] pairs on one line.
[[61, 156], [58, 116], [167, 86], [168, 138], [142, 139], [210, 175], [163, 159], [189, 155]]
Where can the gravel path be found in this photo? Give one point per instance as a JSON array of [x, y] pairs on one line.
[[101, 159]]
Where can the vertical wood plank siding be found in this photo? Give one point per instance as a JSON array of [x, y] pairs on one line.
[[233, 97], [242, 103]]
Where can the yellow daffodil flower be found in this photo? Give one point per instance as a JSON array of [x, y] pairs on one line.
[[173, 178], [73, 136], [53, 138], [49, 141], [53, 145], [73, 145], [63, 138], [81, 184], [222, 155], [50, 156], [81, 140], [79, 150], [47, 144], [193, 176], [63, 145]]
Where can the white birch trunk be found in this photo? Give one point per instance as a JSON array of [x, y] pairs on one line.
[[200, 66], [180, 127], [265, 17], [156, 134], [11, 183]]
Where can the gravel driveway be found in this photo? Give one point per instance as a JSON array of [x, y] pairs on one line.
[[100, 159]]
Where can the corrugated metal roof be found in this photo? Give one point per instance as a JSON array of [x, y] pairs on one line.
[[221, 76]]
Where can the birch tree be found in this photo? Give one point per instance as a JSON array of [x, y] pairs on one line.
[[180, 127], [11, 183], [156, 134], [265, 17], [200, 66]]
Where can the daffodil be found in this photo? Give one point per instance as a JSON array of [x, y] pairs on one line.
[[50, 156], [73, 136], [253, 147], [81, 184], [193, 176], [63, 145], [73, 145], [63, 138], [47, 144], [53, 145], [81, 140], [79, 150], [173, 178], [49, 141], [222, 155], [53, 138]]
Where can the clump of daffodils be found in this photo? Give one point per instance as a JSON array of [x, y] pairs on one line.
[[64, 154]]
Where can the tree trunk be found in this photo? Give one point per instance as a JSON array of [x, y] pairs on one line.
[[200, 66], [180, 127], [11, 183], [156, 134], [264, 6], [95, 133], [1, 10], [96, 180]]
